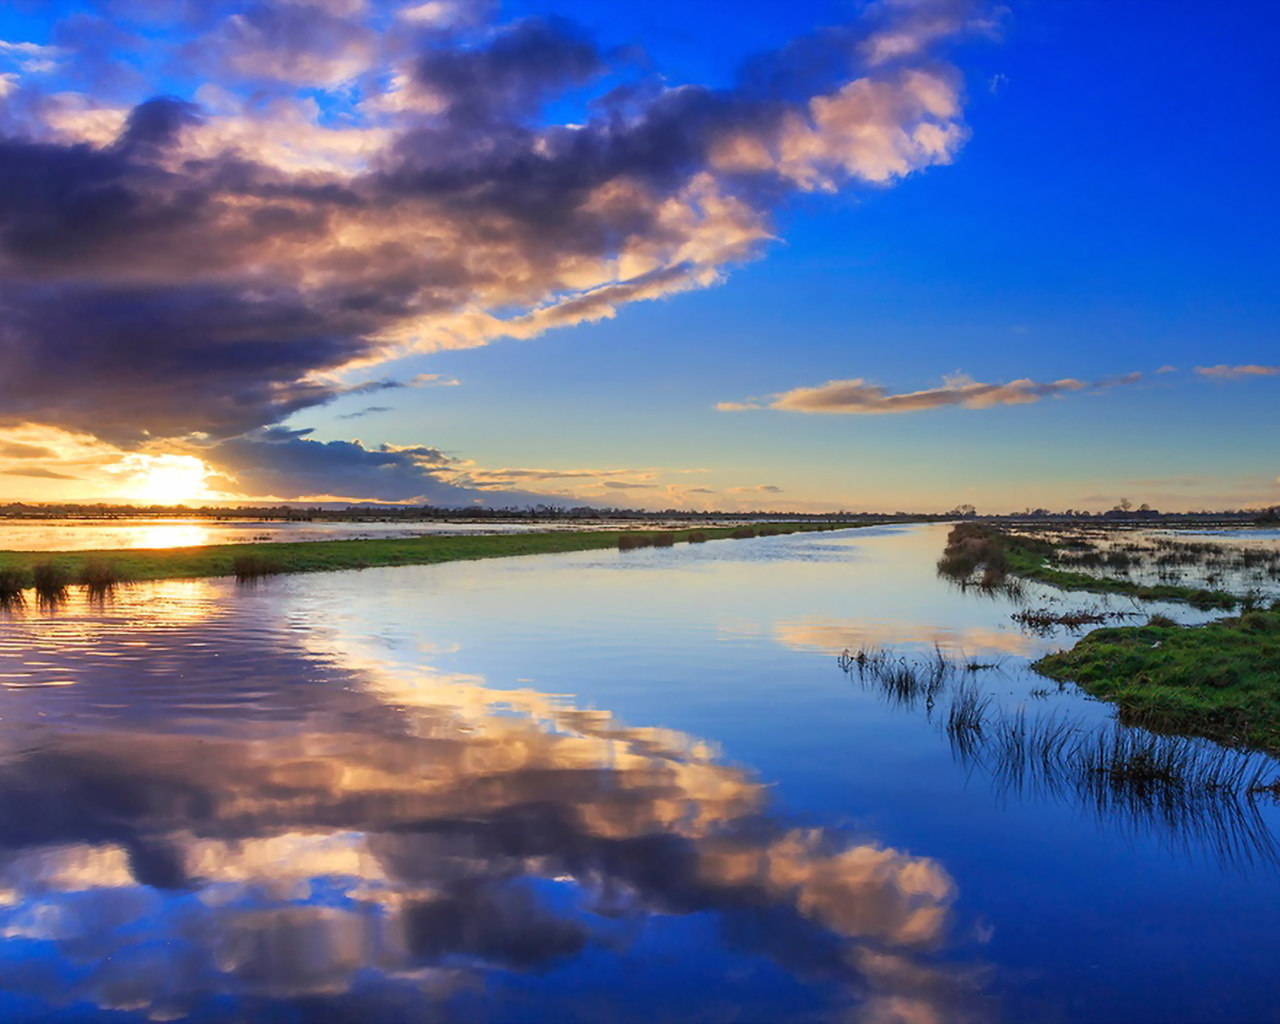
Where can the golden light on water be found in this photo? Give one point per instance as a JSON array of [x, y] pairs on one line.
[[169, 535]]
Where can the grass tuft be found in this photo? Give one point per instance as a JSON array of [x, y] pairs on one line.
[[249, 568], [51, 581], [99, 577], [12, 584]]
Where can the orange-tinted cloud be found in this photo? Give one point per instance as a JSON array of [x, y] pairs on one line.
[[1225, 372], [171, 267]]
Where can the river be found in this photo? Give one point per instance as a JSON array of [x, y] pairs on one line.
[[602, 786]]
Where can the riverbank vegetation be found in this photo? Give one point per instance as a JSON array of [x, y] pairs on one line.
[[1186, 792], [1220, 679], [981, 555], [52, 572]]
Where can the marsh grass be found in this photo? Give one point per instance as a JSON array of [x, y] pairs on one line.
[[906, 681], [99, 578], [51, 580], [252, 567], [1190, 794], [968, 710], [1174, 561], [982, 556], [13, 583], [977, 556], [1045, 621]]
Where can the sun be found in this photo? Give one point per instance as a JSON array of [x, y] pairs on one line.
[[166, 479]]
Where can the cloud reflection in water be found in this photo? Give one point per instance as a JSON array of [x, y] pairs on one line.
[[370, 841]]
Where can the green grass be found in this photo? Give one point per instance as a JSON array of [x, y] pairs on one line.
[[1220, 680], [323, 556]]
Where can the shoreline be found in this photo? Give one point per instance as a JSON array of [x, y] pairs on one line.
[[1218, 679], [139, 565]]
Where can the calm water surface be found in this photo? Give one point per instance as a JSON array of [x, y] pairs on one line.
[[593, 787]]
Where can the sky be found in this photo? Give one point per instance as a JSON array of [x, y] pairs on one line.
[[821, 255]]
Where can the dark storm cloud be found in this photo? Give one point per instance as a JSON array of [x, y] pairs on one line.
[[156, 123], [126, 362], [209, 269], [287, 464], [369, 411], [523, 65]]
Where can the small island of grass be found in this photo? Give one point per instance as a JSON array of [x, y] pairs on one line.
[[1220, 679]]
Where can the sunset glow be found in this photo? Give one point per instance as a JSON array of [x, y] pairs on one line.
[[826, 254], [164, 479], [595, 512]]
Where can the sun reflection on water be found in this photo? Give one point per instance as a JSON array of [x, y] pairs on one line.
[[175, 534]]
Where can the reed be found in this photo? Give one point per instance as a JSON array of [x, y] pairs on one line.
[[1192, 795], [99, 577], [12, 584], [903, 680], [1045, 620], [248, 568], [968, 711], [51, 581]]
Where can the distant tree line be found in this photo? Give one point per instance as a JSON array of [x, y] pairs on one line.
[[374, 512]]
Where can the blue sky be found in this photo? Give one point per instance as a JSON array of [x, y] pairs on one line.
[[1109, 213]]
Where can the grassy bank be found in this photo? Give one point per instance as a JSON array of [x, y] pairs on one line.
[[21, 568], [1220, 680], [976, 547]]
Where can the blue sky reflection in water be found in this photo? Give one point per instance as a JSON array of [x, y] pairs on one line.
[[628, 786]]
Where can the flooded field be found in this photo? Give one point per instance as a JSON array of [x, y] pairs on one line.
[[130, 534], [93, 535], [794, 778], [1243, 561]]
